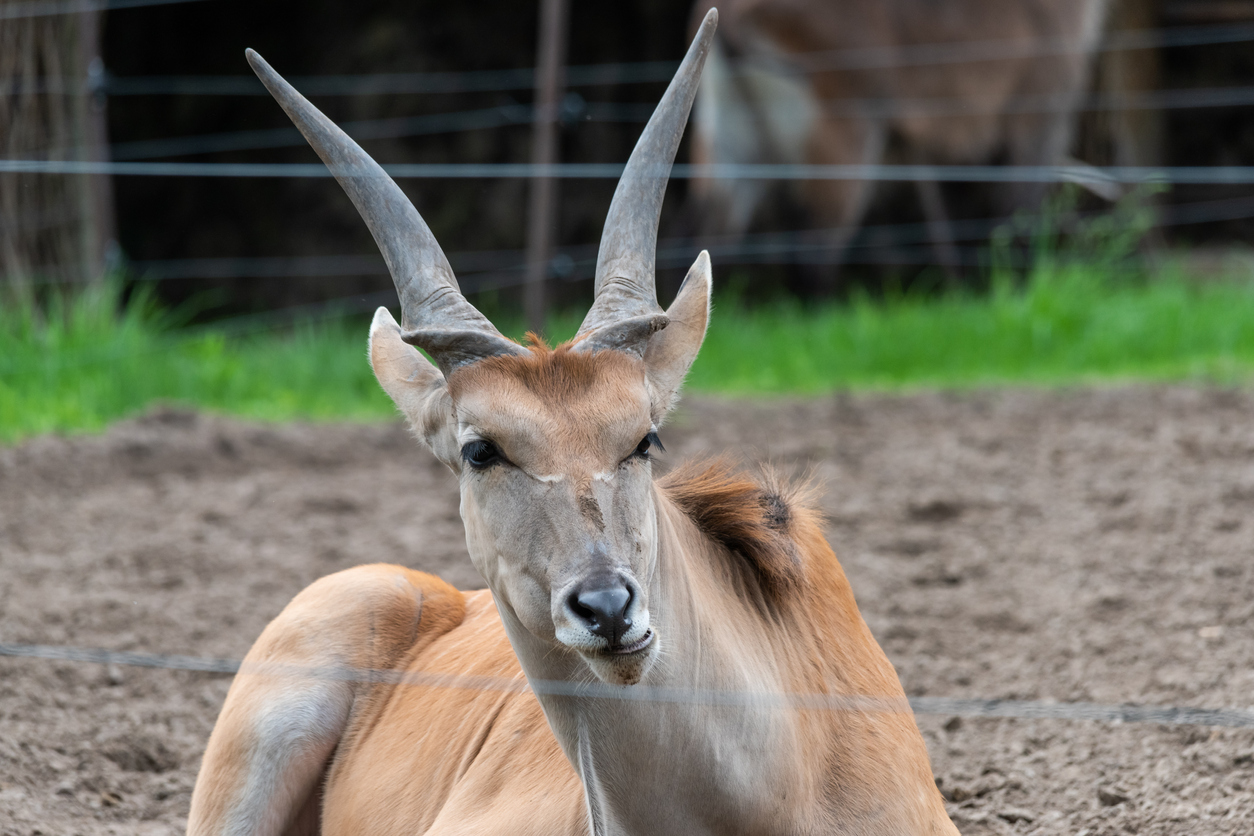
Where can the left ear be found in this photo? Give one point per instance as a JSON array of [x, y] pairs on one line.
[[671, 351], [416, 387]]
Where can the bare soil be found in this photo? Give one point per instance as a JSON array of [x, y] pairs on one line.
[[1091, 545]]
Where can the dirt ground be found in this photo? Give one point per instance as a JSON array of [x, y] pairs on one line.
[[1091, 545]]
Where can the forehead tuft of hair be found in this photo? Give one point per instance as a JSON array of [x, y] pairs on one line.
[[552, 373]]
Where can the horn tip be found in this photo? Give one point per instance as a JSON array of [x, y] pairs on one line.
[[259, 65], [269, 78], [711, 18]]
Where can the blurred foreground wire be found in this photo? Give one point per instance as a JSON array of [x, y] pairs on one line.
[[886, 172], [479, 270], [967, 707], [45, 8], [523, 78], [576, 110]]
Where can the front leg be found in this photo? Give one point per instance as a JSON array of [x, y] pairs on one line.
[[293, 698]]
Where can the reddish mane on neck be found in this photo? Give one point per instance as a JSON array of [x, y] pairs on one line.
[[756, 518]]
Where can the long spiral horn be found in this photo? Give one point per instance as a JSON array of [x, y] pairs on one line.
[[626, 292], [434, 314]]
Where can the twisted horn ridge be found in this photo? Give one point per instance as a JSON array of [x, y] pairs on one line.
[[625, 285], [434, 314]]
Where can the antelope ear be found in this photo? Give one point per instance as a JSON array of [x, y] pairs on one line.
[[415, 385], [671, 351]]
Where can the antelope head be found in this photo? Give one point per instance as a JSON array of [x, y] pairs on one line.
[[551, 448]]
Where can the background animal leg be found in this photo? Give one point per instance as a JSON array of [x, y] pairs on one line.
[[939, 232], [838, 206], [727, 130]]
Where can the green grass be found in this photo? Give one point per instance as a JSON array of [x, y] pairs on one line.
[[1066, 325], [81, 365]]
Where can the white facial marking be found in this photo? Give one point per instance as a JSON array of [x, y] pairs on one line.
[[467, 434]]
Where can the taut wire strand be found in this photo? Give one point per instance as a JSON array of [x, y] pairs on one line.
[[966, 707]]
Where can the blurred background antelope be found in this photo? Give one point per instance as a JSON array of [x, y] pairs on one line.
[[863, 82]]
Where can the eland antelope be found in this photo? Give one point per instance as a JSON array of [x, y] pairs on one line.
[[681, 656], [863, 82]]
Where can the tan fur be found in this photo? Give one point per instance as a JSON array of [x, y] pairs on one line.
[[455, 758], [559, 376], [438, 759]]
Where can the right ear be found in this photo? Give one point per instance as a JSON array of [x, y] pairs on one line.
[[415, 385]]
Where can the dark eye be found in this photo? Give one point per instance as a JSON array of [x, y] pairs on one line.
[[650, 440], [481, 454]]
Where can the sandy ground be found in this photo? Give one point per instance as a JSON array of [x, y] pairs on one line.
[[1082, 545]]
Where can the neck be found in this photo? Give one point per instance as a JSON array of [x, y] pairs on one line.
[[707, 742]]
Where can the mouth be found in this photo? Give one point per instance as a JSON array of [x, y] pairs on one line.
[[635, 647]]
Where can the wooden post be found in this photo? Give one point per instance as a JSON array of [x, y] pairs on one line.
[[97, 196], [542, 214], [52, 227]]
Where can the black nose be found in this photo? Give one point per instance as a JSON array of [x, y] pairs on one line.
[[601, 603]]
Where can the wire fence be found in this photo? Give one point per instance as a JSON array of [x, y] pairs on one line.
[[592, 75], [879, 172], [958, 706], [906, 245], [576, 110], [479, 270], [136, 158]]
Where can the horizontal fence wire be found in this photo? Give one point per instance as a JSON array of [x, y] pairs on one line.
[[965, 707], [885, 172], [478, 270], [363, 129], [969, 52], [523, 78], [49, 8], [768, 248], [363, 84], [575, 111], [373, 84]]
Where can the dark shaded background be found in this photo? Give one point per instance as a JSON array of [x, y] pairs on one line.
[[163, 218], [175, 218]]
